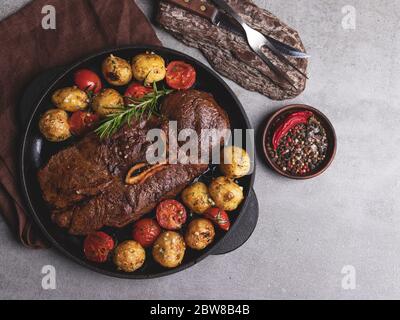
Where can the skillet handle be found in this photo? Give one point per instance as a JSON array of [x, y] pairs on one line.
[[244, 230], [198, 7]]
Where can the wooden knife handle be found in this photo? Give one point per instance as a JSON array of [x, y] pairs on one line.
[[198, 7]]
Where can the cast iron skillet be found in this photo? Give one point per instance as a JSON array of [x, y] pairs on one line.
[[36, 151]]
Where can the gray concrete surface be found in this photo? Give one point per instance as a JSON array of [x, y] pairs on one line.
[[308, 231]]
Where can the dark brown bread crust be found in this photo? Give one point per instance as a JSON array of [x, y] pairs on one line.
[[230, 54]]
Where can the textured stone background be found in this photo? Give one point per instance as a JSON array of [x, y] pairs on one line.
[[308, 231]]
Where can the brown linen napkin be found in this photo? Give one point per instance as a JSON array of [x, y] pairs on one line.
[[230, 54], [82, 27]]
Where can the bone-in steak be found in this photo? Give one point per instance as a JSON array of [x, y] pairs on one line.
[[84, 184]]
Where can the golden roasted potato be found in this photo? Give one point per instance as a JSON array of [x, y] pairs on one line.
[[54, 125], [235, 162], [70, 99], [129, 256], [226, 193], [200, 233], [117, 71], [197, 198], [148, 67], [108, 101], [169, 249]]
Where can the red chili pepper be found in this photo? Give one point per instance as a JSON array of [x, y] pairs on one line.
[[290, 122]]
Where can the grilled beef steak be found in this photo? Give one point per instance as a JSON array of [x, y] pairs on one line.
[[197, 110], [84, 184], [120, 204], [88, 167]]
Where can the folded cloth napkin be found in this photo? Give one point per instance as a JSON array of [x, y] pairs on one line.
[[82, 27]]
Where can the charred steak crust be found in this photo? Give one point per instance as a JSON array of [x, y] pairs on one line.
[[84, 184], [198, 110], [119, 205], [88, 167]]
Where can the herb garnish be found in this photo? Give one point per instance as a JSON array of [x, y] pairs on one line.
[[135, 109]]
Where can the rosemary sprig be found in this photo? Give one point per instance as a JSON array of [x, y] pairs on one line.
[[135, 109]]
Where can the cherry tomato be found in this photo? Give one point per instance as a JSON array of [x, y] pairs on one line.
[[82, 122], [97, 246], [87, 80], [146, 231], [171, 214], [180, 75], [219, 217], [137, 91]]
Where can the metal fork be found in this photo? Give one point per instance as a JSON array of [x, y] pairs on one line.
[[257, 42]]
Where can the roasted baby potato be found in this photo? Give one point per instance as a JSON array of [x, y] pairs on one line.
[[235, 162], [117, 71], [200, 233], [129, 256], [70, 99], [197, 198], [148, 67], [54, 125], [108, 101], [169, 249], [226, 193]]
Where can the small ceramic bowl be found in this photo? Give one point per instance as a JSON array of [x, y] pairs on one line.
[[275, 119]]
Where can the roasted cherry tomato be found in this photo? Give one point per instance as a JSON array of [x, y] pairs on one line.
[[219, 217], [97, 246], [146, 231], [137, 91], [180, 75], [82, 122], [171, 215], [87, 80]]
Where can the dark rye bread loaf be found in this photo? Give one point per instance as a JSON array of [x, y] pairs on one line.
[[230, 54]]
